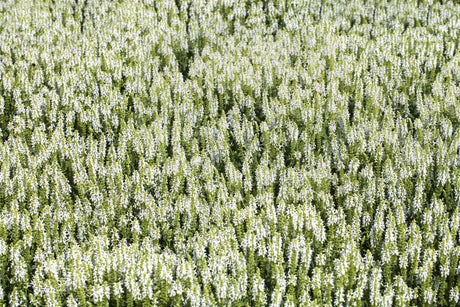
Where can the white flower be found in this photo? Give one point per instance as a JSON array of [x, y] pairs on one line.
[[454, 295], [117, 289]]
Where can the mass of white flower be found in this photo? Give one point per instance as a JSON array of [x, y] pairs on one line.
[[229, 153]]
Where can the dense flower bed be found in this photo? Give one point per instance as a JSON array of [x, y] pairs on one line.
[[229, 153]]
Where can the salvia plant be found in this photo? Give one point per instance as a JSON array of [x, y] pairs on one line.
[[229, 153]]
